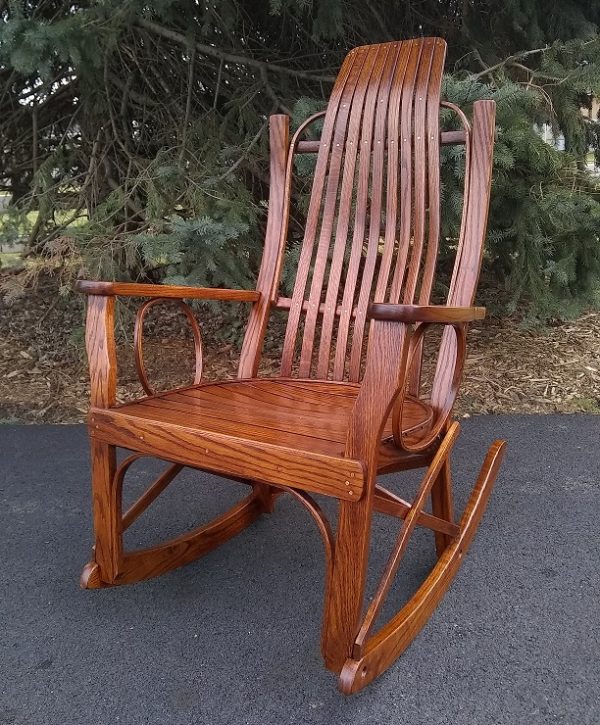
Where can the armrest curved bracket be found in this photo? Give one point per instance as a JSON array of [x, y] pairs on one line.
[[138, 337], [442, 417]]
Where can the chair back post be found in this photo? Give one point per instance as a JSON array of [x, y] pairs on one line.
[[277, 221], [470, 248]]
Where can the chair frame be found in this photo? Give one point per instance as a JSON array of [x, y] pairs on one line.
[[390, 382]]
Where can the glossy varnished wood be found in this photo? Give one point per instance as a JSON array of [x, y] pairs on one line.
[[347, 404], [138, 339], [399, 632], [142, 564], [132, 289], [270, 431]]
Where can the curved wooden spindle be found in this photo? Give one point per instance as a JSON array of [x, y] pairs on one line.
[[138, 337]]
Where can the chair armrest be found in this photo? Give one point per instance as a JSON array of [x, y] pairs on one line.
[[132, 289], [389, 360], [444, 314]]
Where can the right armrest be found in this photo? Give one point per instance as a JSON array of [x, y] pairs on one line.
[[442, 314], [133, 289]]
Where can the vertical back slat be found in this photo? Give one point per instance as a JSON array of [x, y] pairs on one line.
[[406, 174], [373, 221], [362, 198], [312, 219], [431, 136], [433, 173], [343, 221], [420, 170], [393, 160], [375, 208], [329, 208]]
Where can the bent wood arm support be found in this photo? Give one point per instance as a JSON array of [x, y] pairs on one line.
[[454, 367], [393, 346], [100, 339], [138, 340]]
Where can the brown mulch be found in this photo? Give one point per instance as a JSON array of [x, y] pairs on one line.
[[43, 375]]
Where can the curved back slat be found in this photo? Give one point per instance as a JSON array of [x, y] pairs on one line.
[[373, 222], [374, 207]]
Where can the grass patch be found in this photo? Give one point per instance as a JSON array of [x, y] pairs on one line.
[[9, 259], [588, 405]]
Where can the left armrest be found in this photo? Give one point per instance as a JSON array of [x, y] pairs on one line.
[[445, 314], [132, 289]]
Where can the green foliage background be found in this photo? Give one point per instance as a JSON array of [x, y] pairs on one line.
[[136, 130]]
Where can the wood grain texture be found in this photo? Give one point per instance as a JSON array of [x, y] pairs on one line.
[[394, 637], [442, 506], [150, 495], [343, 610], [133, 289], [347, 404], [441, 413], [101, 351], [203, 427], [135, 566], [106, 506], [425, 313], [270, 269], [470, 251], [270, 431], [388, 503], [399, 549]]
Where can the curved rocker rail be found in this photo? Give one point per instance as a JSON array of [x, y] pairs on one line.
[[155, 560], [393, 638]]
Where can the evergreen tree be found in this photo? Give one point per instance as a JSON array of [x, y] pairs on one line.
[[136, 129]]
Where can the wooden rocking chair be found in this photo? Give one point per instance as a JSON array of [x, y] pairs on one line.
[[336, 416]]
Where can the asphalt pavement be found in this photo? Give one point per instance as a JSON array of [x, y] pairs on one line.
[[234, 637]]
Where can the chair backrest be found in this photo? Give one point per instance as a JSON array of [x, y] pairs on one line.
[[373, 222]]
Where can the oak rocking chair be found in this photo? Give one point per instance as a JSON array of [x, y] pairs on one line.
[[340, 412]]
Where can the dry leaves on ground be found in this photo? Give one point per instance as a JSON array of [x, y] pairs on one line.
[[43, 375]]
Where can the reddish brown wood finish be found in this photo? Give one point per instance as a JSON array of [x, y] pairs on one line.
[[425, 313], [138, 338], [132, 289], [347, 405]]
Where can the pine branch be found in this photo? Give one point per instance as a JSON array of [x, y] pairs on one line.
[[214, 52]]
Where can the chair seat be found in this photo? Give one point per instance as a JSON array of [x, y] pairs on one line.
[[227, 426]]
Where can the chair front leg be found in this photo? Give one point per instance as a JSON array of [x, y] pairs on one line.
[[345, 590], [106, 496], [385, 368]]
